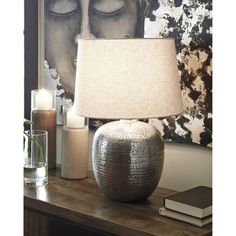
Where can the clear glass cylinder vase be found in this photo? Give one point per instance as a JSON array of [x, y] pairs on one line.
[[35, 146]]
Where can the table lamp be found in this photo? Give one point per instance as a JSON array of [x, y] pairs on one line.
[[127, 79]]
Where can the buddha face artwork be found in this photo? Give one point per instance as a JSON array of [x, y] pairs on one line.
[[68, 20], [188, 21]]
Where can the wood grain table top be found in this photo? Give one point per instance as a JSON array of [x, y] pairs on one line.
[[82, 202]]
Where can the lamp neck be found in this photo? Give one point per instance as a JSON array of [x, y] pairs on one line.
[[128, 120]]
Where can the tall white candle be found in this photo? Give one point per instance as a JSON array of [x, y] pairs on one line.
[[43, 100], [74, 121], [74, 158]]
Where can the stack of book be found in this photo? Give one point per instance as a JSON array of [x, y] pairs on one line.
[[192, 206]]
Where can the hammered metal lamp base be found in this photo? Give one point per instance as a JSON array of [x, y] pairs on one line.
[[128, 158]]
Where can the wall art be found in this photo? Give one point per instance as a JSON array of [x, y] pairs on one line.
[[188, 21]]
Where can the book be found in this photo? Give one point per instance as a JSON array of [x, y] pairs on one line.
[[195, 202], [185, 218]]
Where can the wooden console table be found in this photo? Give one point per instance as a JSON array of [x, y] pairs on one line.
[[78, 207]]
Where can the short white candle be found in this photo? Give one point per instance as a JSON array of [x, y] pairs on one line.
[[43, 100], [74, 121]]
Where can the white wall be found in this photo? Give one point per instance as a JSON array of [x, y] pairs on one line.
[[185, 166]]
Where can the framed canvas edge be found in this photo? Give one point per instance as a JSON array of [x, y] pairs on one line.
[[41, 76], [33, 49]]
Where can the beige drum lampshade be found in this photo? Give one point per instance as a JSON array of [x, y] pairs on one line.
[[127, 79]]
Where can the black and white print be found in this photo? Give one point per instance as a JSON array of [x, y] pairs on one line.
[[189, 22]]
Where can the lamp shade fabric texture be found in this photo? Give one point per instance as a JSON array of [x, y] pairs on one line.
[[127, 79]]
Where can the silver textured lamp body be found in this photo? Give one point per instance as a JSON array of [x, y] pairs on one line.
[[127, 160], [127, 79]]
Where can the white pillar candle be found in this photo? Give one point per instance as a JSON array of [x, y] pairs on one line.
[[74, 159], [43, 100], [74, 121]]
